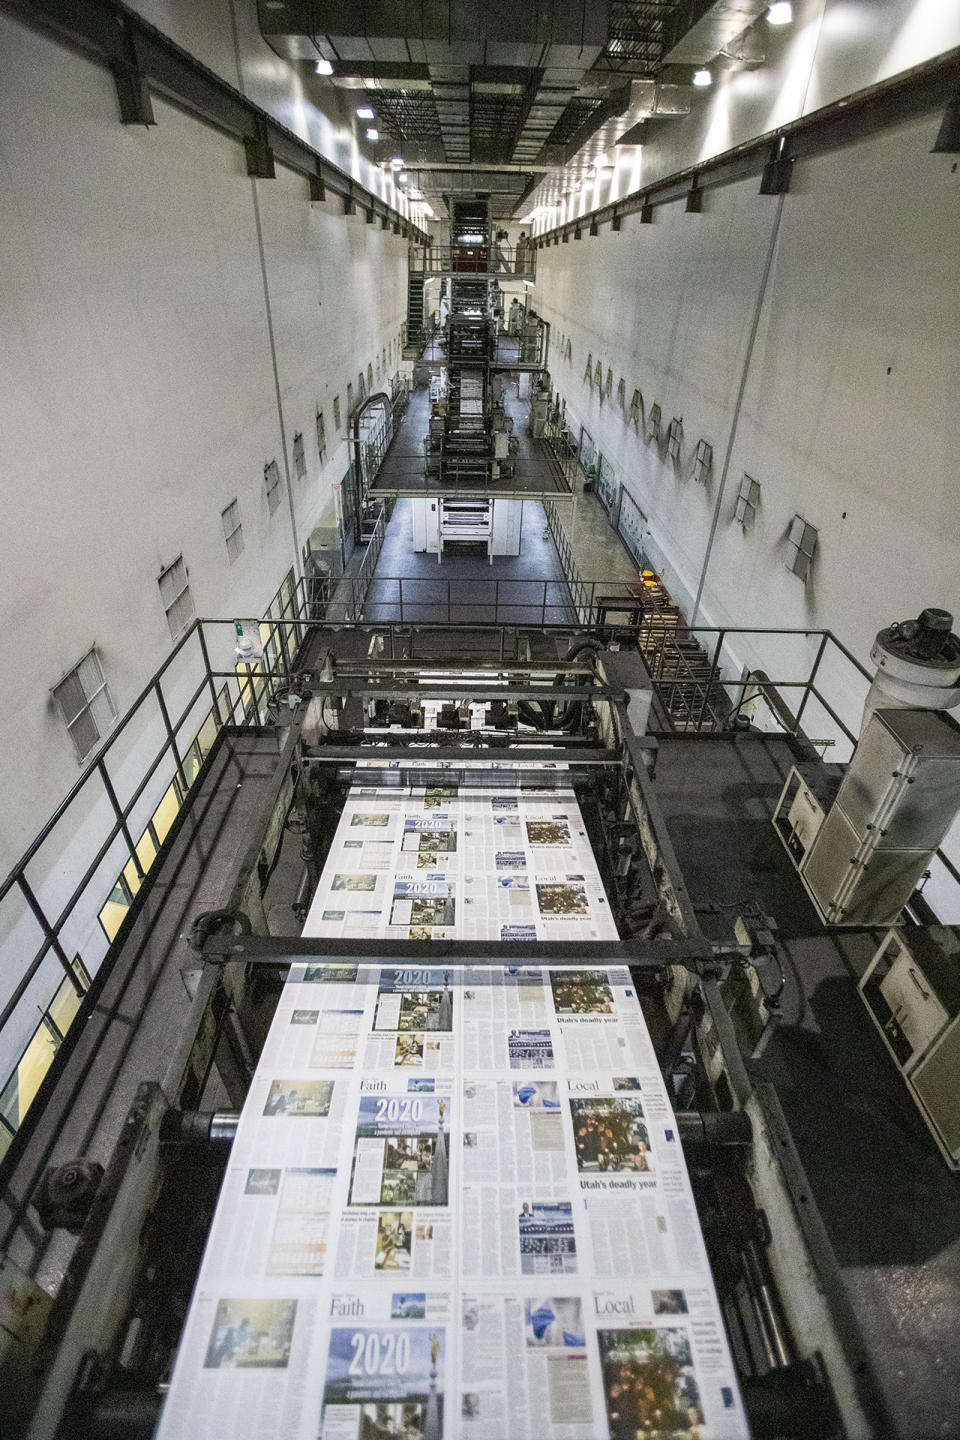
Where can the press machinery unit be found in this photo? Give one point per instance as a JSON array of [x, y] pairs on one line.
[[470, 449], [107, 1200]]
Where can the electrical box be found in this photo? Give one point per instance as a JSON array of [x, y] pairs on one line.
[[911, 989], [862, 860]]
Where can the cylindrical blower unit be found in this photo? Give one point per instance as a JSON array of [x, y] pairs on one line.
[[918, 666]]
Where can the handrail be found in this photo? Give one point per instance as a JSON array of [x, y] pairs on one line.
[[573, 601]]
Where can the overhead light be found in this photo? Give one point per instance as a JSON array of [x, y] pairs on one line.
[[364, 112], [397, 162], [373, 133], [528, 283], [702, 77], [780, 13], [323, 67]]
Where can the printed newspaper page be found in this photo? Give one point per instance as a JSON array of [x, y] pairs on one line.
[[456, 1205]]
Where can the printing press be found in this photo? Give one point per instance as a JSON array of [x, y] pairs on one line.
[[110, 1198]]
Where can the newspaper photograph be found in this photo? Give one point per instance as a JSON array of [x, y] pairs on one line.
[[548, 1245], [384, 1381], [432, 838], [402, 1151], [611, 1134], [424, 909], [414, 999]]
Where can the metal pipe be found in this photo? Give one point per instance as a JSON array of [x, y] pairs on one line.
[[715, 1127]]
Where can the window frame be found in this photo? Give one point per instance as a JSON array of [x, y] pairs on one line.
[[747, 502], [299, 456], [86, 708], [809, 536], [230, 535], [168, 609], [271, 482], [703, 461]]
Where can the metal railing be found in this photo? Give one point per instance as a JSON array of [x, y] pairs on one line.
[[345, 604], [504, 262], [52, 900], [697, 672], [563, 450], [581, 595]]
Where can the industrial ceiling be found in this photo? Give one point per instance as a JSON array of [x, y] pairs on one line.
[[495, 98]]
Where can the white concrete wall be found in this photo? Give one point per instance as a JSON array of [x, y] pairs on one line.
[[848, 417], [225, 36], [138, 396], [849, 413], [833, 48]]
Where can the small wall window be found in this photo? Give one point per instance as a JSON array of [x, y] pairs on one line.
[[802, 546], [621, 392], [636, 407], [703, 462], [232, 530], [271, 480], [336, 412], [299, 458], [176, 598], [674, 434], [598, 375], [369, 379], [653, 422], [588, 373], [85, 704], [361, 387], [321, 435], [608, 388], [748, 501]]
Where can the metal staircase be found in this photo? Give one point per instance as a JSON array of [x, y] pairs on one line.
[[415, 281]]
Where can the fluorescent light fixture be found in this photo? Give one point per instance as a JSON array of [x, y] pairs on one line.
[[702, 77], [397, 162], [780, 13], [402, 178], [373, 133], [529, 284], [323, 67], [364, 112]]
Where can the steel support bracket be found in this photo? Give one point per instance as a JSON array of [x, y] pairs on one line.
[[133, 90], [259, 153]]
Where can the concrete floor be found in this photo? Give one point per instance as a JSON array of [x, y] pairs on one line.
[[463, 587], [525, 589]]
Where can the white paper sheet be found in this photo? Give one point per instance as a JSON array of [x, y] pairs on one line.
[[457, 1204]]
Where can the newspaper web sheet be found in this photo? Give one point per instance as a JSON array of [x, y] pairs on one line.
[[457, 1204]]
